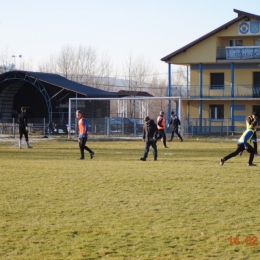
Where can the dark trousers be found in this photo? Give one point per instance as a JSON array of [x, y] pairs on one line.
[[254, 137], [241, 148], [175, 130], [82, 146], [22, 132], [147, 146], [162, 136]]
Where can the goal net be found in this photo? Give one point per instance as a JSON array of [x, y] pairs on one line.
[[121, 116]]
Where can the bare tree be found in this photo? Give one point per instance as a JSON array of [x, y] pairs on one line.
[[25, 65], [66, 61], [104, 71], [5, 60], [82, 65], [158, 88], [50, 66], [85, 64], [142, 73], [138, 75]]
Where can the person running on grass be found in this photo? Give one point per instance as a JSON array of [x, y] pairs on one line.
[[83, 135], [244, 143], [175, 122], [249, 120]]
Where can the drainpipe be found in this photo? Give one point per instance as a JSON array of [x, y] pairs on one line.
[[187, 79], [200, 106], [232, 96], [169, 92]]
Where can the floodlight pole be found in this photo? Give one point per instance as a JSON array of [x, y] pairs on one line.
[[18, 56]]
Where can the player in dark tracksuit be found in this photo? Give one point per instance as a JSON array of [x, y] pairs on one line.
[[23, 128], [83, 135], [175, 122], [150, 132]]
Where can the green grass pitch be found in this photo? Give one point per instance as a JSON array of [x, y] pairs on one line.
[[183, 206]]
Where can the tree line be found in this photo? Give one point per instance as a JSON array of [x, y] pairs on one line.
[[86, 66]]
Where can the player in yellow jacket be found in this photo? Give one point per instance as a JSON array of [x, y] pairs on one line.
[[249, 120], [244, 143]]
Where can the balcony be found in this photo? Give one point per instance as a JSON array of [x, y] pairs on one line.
[[193, 91], [238, 53]]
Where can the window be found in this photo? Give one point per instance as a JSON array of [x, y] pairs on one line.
[[235, 42], [217, 80], [257, 41], [256, 84], [256, 108], [216, 112]]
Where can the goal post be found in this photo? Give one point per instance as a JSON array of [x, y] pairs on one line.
[[123, 115]]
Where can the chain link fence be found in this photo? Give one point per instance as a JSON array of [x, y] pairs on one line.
[[119, 126]]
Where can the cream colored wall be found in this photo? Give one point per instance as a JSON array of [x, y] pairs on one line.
[[242, 76], [194, 108], [205, 51]]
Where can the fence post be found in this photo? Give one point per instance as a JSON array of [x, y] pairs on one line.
[[44, 126], [76, 127], [227, 126], [13, 127], [108, 126]]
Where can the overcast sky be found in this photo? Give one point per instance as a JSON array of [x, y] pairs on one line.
[[37, 29]]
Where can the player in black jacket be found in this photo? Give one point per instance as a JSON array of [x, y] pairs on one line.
[[175, 122], [150, 132], [23, 128]]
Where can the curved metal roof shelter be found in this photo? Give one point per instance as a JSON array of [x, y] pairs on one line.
[[42, 93]]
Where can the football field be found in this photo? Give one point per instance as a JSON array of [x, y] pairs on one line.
[[183, 206]]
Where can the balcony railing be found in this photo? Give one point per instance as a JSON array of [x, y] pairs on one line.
[[238, 53], [193, 91], [221, 53]]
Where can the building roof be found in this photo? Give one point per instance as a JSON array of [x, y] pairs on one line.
[[59, 81], [241, 15], [133, 93]]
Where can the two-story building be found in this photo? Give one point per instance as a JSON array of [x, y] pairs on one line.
[[224, 78]]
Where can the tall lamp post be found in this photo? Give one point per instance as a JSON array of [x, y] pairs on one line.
[[18, 56]]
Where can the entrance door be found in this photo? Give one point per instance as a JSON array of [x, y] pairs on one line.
[[256, 84]]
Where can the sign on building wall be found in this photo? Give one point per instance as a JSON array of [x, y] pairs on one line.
[[243, 52], [249, 28]]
